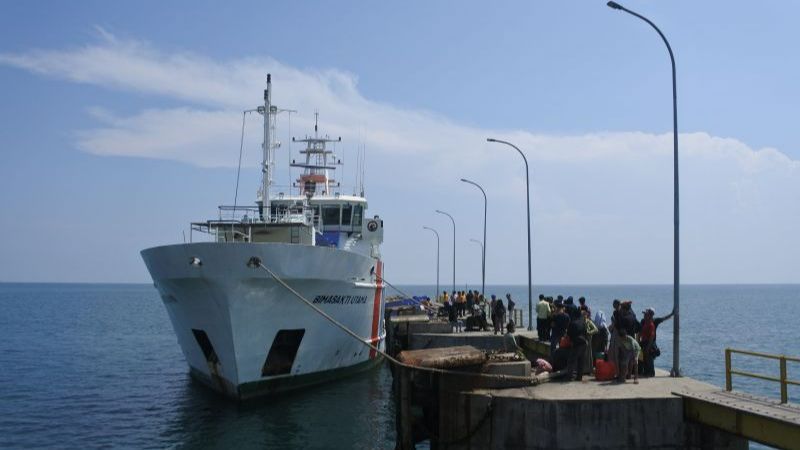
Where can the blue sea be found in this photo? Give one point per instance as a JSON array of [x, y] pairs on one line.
[[98, 366]]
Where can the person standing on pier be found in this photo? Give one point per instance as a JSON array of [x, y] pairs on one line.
[[576, 331], [600, 340], [628, 318], [569, 306], [511, 306], [591, 334], [492, 312], [452, 316], [583, 307], [499, 316], [627, 357], [613, 330], [542, 318], [560, 324], [647, 341]]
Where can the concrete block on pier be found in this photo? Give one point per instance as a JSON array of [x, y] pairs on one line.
[[444, 358], [513, 368], [429, 327]]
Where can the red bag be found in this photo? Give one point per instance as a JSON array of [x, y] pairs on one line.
[[565, 342], [604, 370]]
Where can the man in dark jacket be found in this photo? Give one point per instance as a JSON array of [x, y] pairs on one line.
[[628, 318], [577, 336], [500, 316]]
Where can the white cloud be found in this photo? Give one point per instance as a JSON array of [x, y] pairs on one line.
[[598, 197]]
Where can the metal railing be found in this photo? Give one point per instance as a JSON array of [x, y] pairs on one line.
[[782, 379], [517, 318]]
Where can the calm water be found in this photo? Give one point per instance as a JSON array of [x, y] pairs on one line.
[[98, 366]]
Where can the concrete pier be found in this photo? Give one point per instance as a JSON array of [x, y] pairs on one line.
[[577, 415], [518, 410]]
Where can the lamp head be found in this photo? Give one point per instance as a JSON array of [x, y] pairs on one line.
[[465, 180], [491, 140], [614, 5]]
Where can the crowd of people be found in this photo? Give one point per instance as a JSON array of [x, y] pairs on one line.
[[469, 310], [579, 341]]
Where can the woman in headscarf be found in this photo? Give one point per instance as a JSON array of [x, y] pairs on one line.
[[600, 340]]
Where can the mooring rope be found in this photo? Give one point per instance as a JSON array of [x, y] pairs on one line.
[[383, 280], [256, 262]]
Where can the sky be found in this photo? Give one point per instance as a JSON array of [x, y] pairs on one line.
[[121, 124]]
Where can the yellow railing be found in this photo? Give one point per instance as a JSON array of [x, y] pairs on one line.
[[783, 379]]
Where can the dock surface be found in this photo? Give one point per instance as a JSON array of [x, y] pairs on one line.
[[753, 417]]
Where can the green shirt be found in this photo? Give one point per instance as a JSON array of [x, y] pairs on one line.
[[630, 344]]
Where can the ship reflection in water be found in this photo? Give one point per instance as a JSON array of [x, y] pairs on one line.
[[356, 412]]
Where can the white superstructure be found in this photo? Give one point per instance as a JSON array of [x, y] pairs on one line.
[[240, 331]]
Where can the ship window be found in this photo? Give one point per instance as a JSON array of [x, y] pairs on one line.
[[358, 212], [330, 214], [282, 352], [347, 211], [205, 345]]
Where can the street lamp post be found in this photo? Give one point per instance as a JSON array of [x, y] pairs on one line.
[[528, 196], [437, 261], [676, 369], [483, 252], [483, 244], [454, 246]]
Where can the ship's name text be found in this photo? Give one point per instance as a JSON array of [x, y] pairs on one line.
[[340, 299]]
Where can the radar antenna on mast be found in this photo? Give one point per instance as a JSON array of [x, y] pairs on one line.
[[317, 163]]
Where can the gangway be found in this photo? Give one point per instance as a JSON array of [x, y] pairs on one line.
[[761, 419]]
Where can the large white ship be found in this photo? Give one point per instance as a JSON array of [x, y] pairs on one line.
[[241, 332]]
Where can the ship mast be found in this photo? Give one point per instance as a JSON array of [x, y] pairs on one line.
[[267, 161], [317, 164]]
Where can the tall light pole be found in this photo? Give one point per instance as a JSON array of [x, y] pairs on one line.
[[436, 295], [454, 246], [483, 244], [676, 368], [528, 196]]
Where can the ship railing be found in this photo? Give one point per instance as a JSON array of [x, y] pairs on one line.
[[221, 229], [236, 223], [782, 378], [252, 215]]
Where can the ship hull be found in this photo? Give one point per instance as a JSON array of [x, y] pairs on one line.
[[245, 335]]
